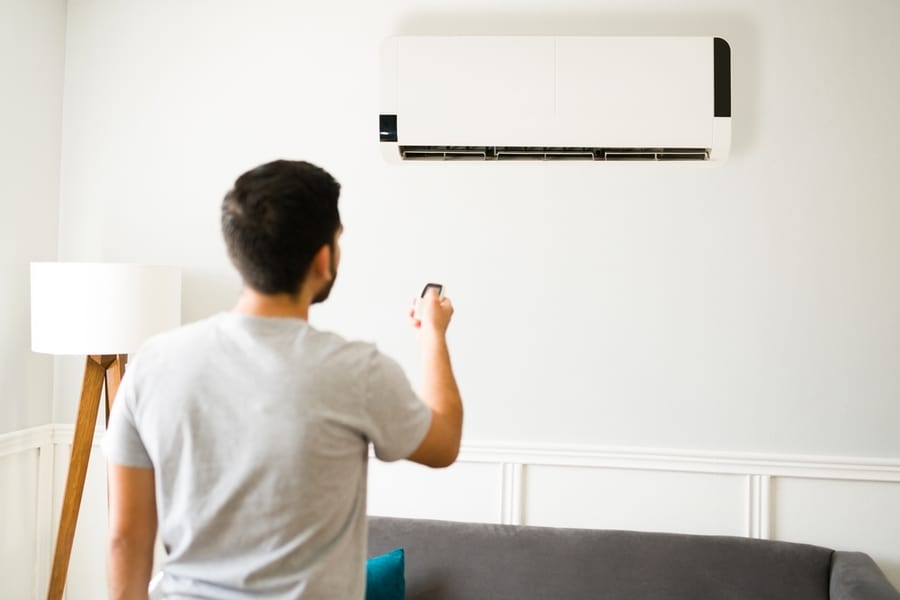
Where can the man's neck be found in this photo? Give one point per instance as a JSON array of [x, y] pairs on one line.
[[254, 303]]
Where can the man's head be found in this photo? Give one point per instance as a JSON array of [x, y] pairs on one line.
[[276, 220]]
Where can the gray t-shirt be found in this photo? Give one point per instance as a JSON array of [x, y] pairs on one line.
[[258, 430]]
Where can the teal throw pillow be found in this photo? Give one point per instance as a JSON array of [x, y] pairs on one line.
[[384, 577]]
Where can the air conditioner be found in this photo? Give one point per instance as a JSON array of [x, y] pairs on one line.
[[556, 98]]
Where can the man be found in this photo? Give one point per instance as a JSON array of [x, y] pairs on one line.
[[247, 433]]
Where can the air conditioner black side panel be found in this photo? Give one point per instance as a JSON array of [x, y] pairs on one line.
[[721, 78], [387, 128]]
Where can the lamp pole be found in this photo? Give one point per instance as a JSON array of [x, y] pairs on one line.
[[100, 371]]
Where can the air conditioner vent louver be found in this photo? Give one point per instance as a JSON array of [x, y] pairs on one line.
[[482, 153]]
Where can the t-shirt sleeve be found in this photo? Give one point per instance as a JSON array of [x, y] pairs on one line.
[[397, 419], [122, 443]]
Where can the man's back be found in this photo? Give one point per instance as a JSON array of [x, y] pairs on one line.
[[243, 439], [258, 431]]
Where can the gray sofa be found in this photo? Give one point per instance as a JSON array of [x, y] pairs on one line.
[[468, 561]]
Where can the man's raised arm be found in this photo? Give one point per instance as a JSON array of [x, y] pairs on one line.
[[439, 390]]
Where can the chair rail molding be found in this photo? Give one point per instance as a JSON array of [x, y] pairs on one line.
[[705, 461]]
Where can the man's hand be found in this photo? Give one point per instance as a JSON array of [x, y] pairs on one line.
[[436, 313], [132, 531], [439, 390]]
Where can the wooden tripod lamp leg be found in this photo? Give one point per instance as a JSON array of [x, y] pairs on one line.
[[88, 406], [114, 374]]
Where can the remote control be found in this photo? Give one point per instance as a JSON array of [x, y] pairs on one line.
[[417, 314]]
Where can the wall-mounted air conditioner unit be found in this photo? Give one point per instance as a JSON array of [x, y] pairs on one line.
[[556, 98]]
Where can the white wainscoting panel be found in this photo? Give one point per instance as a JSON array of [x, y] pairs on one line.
[[845, 503], [599, 498], [462, 492], [87, 565], [18, 523], [845, 515]]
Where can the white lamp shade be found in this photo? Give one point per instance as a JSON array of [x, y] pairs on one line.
[[101, 308]]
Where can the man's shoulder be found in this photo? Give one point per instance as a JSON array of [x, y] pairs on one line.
[[186, 339], [336, 347], [185, 334]]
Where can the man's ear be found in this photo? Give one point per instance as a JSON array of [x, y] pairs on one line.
[[321, 263]]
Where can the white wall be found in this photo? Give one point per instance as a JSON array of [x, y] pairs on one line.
[[751, 307], [748, 309], [32, 42]]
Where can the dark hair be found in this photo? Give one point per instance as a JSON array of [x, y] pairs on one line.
[[275, 219]]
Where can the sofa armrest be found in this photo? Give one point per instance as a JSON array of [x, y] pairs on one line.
[[855, 576]]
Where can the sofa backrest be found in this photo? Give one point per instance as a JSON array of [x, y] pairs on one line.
[[469, 561]]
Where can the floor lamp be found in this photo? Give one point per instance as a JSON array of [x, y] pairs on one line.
[[102, 311]]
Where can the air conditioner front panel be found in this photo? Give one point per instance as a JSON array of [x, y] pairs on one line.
[[484, 89], [553, 92], [643, 92]]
